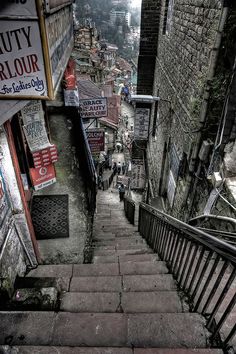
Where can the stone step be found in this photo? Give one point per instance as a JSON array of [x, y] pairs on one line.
[[144, 250], [52, 271], [115, 283], [108, 350], [126, 258], [120, 241], [117, 247], [140, 268], [165, 330], [132, 302], [95, 269]]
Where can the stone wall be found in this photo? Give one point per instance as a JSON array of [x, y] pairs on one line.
[[184, 57]]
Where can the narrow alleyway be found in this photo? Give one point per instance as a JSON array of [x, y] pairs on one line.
[[122, 303]]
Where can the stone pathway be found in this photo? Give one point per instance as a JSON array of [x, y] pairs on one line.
[[125, 302]]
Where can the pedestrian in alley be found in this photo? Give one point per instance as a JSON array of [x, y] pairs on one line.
[[123, 168], [119, 168], [121, 192], [114, 168]]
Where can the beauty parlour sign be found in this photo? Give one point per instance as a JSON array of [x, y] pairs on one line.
[[29, 67]]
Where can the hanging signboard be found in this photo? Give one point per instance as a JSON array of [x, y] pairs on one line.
[[71, 98], [52, 5], [34, 49], [141, 123], [22, 70], [96, 138], [43, 177], [93, 107], [137, 174], [34, 126], [59, 30]]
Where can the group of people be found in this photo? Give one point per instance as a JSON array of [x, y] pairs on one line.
[[118, 168]]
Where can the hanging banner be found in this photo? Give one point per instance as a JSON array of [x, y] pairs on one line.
[[141, 123], [93, 108], [137, 174], [34, 126], [96, 139], [43, 177]]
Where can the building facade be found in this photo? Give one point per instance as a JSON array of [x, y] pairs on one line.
[[191, 50]]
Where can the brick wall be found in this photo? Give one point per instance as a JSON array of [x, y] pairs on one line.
[[181, 75]]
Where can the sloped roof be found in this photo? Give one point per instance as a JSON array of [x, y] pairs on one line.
[[88, 89]]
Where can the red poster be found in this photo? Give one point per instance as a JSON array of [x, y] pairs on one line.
[[43, 177], [96, 139], [45, 157]]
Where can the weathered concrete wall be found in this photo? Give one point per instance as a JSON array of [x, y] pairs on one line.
[[69, 181], [184, 56]]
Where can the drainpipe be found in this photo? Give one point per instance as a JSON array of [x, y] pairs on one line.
[[206, 96]]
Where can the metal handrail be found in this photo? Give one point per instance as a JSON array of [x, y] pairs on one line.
[[203, 266], [129, 207], [212, 216]]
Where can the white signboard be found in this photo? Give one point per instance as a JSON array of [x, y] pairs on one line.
[[171, 189], [34, 126], [22, 72], [93, 108], [26, 8], [141, 123], [137, 174], [71, 98]]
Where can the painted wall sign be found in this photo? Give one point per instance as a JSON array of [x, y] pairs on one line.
[[59, 29], [43, 177], [22, 71], [141, 123], [96, 139], [93, 108], [34, 126], [137, 174]]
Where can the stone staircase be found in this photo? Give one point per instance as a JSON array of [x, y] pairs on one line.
[[125, 302]]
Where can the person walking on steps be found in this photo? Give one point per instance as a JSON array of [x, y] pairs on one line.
[[119, 168], [121, 192]]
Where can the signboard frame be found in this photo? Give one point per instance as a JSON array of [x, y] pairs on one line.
[[96, 143], [141, 123]]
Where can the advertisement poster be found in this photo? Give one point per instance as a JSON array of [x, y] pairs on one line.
[[141, 123], [71, 98], [93, 108], [43, 177], [22, 71], [96, 139], [34, 126], [137, 174]]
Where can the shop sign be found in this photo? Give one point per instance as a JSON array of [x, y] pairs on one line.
[[43, 177], [26, 8], [93, 107], [34, 49], [141, 123], [137, 174], [71, 98], [45, 157], [54, 4], [96, 138], [34, 126], [22, 70], [59, 30]]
